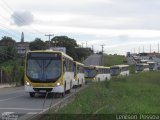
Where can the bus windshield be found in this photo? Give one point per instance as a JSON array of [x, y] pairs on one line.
[[151, 65], [90, 73], [44, 67], [115, 71], [139, 67]]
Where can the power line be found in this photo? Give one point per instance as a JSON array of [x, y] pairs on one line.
[[10, 34], [17, 17]]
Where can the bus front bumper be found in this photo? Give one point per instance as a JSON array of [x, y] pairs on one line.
[[75, 82], [56, 89]]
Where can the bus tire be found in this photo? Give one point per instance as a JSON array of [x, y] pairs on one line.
[[32, 94], [63, 94], [70, 87], [78, 83], [81, 83]]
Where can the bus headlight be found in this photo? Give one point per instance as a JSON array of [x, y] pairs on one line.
[[58, 84], [27, 83]]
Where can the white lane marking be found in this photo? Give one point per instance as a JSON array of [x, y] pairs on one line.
[[19, 109], [11, 98]]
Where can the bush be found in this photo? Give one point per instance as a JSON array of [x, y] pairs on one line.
[[12, 72]]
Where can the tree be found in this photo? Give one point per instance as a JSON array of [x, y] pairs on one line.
[[64, 41], [82, 53], [37, 44], [7, 41], [7, 48]]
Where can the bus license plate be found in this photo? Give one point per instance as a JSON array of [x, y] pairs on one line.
[[42, 91]]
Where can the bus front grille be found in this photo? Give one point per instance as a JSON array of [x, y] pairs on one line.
[[43, 89]]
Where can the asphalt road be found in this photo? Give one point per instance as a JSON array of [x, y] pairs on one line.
[[94, 59], [17, 101]]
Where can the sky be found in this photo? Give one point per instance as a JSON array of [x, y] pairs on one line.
[[119, 25]]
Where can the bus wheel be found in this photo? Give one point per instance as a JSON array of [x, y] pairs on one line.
[[81, 83], [63, 94], [68, 91], [78, 83], [70, 85], [32, 94]]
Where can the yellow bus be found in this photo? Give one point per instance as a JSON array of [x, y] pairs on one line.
[[120, 70], [78, 74], [48, 71], [90, 73], [97, 73], [152, 65], [142, 67], [103, 73]]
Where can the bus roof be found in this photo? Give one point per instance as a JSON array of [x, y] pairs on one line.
[[142, 64], [120, 66], [144, 60], [79, 63], [102, 67], [51, 51], [151, 62]]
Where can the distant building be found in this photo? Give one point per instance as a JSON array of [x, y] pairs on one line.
[[22, 46]]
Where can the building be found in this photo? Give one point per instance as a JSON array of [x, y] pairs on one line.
[[22, 47]]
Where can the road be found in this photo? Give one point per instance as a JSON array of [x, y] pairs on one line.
[[17, 101], [94, 59]]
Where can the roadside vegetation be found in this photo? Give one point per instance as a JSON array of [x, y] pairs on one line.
[[110, 60], [136, 94], [12, 72], [11, 69]]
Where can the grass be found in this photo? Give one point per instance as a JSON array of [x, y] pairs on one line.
[[110, 60], [136, 94]]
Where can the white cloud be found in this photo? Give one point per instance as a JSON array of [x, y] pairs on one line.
[[120, 24]]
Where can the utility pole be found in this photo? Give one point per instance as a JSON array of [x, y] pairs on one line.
[[92, 49], [86, 44], [102, 56], [150, 48], [82, 44], [102, 48], [158, 47], [139, 49], [143, 48], [49, 35]]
